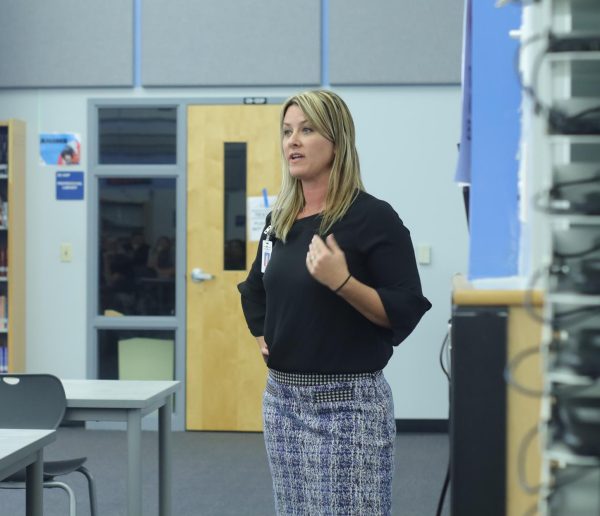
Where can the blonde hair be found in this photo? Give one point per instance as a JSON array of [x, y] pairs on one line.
[[330, 117]]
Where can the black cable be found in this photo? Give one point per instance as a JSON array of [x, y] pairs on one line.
[[585, 112], [531, 90], [440, 506], [562, 392], [528, 304], [523, 446], [520, 48], [449, 356], [562, 123], [558, 119], [578, 254], [445, 371], [522, 475], [552, 194], [573, 182], [513, 364], [585, 311], [442, 497], [528, 299]]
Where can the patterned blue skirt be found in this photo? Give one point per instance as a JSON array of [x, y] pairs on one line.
[[330, 443]]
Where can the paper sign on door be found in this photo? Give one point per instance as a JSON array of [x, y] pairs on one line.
[[256, 213]]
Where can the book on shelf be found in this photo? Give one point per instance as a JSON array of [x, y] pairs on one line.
[[3, 149], [3, 359], [3, 262], [3, 313], [3, 212]]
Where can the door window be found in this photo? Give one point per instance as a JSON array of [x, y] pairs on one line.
[[137, 229], [234, 234]]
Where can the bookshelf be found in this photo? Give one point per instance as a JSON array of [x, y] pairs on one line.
[[561, 137], [12, 246]]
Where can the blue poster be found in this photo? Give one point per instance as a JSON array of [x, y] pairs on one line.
[[60, 148], [69, 186]]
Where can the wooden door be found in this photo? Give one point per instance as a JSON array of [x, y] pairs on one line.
[[225, 374]]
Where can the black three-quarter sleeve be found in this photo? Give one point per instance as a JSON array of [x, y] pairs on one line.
[[253, 292], [393, 269]]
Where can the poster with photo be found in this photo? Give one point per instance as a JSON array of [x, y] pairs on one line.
[[60, 149]]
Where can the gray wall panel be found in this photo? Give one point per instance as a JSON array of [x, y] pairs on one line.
[[232, 43], [395, 41], [66, 43]]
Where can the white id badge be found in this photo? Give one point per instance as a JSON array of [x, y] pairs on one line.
[[267, 249]]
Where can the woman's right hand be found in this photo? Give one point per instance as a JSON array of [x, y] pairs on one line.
[[264, 350]]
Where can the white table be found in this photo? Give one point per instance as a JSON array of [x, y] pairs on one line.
[[23, 448], [129, 401]]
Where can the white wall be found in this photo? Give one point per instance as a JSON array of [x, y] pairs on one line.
[[407, 142]]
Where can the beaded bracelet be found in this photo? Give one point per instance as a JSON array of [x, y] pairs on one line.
[[342, 285]]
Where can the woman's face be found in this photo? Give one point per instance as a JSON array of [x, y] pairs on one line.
[[308, 153]]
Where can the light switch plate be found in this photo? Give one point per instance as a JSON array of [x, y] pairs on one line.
[[66, 252], [424, 254]]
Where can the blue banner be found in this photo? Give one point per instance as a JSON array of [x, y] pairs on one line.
[[495, 129]]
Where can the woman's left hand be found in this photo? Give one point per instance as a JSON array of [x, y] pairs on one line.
[[326, 262]]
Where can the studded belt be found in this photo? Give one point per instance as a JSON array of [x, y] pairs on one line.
[[311, 379]]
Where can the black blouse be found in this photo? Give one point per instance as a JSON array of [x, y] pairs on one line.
[[310, 329]]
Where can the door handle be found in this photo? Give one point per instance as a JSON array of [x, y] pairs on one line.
[[198, 276]]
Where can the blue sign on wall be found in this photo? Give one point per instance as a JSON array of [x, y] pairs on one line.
[[69, 186]]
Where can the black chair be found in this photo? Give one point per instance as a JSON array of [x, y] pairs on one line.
[[38, 401]]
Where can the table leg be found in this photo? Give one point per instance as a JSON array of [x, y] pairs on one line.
[[134, 463], [164, 457], [34, 498]]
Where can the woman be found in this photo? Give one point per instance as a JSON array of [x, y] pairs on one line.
[[333, 288]]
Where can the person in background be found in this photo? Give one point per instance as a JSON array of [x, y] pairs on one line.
[[334, 287], [119, 277], [161, 258], [139, 254]]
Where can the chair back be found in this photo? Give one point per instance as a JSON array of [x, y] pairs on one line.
[[31, 401]]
